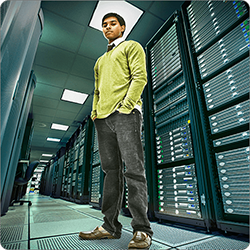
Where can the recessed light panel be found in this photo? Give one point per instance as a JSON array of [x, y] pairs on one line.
[[44, 161], [59, 127], [130, 14], [47, 155], [53, 139], [74, 96]]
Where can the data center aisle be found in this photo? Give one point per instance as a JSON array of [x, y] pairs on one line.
[[54, 224]]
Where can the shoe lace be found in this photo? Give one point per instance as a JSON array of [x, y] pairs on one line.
[[139, 236]]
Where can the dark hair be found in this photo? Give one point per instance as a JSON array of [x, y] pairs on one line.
[[119, 18]]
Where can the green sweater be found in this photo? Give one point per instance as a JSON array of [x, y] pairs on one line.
[[120, 77]]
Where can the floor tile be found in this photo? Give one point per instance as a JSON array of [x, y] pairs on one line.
[[218, 242], [16, 245], [53, 228], [73, 242], [10, 234]]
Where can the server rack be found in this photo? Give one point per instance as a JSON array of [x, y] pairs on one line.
[[67, 170], [57, 176], [96, 176], [63, 188], [177, 141], [46, 184], [74, 164], [218, 45], [83, 167]]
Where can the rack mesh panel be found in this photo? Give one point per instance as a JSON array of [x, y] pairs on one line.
[[233, 169], [177, 191], [231, 46], [233, 83], [96, 157], [209, 18], [165, 57], [229, 118], [95, 186], [231, 139], [174, 145]]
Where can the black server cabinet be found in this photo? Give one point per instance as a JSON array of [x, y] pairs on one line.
[[218, 40], [67, 170], [46, 184], [176, 139], [64, 175], [83, 167], [75, 161], [58, 171], [96, 176], [75, 176]]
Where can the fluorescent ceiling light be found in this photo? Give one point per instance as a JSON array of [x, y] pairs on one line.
[[130, 13], [47, 155], [59, 127], [73, 96], [44, 161], [53, 139]]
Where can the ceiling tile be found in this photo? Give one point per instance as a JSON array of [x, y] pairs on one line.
[[61, 32], [48, 91], [41, 126], [56, 133], [40, 135], [49, 76], [83, 67], [151, 23], [42, 120], [143, 5], [54, 58], [41, 110], [80, 84], [94, 44], [65, 114], [78, 11], [45, 102], [164, 9], [69, 106], [38, 140]]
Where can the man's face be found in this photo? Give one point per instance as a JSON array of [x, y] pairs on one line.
[[112, 29]]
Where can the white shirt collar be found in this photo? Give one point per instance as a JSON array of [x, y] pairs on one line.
[[117, 41]]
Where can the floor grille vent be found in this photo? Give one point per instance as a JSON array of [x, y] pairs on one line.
[[11, 234], [12, 246], [73, 242]]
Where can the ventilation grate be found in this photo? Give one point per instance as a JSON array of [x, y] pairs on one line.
[[57, 216], [12, 246], [175, 236], [13, 220], [73, 242], [10, 234], [218, 242]]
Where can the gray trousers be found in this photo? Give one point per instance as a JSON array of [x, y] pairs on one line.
[[119, 139]]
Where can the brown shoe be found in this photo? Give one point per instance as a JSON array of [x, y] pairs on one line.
[[96, 234], [140, 240]]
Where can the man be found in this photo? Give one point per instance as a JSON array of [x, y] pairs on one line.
[[120, 77]]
